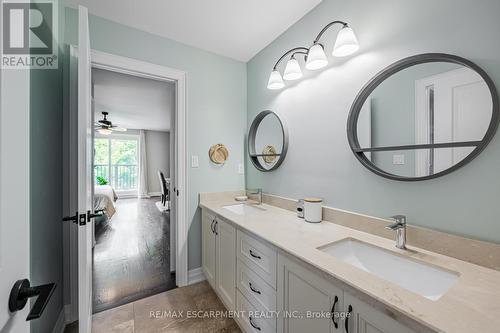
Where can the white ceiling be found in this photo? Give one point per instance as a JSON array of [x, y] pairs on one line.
[[236, 29], [133, 102]]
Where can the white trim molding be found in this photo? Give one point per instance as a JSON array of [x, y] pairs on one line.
[[154, 194], [143, 69], [196, 275], [138, 68], [60, 324]]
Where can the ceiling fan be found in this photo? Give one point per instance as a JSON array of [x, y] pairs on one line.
[[106, 127]]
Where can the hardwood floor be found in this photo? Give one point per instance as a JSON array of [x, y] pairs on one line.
[[131, 255]]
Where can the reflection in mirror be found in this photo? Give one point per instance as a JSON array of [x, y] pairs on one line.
[[267, 141], [423, 116], [436, 102], [418, 162]]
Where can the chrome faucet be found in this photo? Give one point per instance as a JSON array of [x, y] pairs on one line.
[[400, 227], [257, 192]]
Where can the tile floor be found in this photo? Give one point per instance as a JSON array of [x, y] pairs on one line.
[[137, 317]]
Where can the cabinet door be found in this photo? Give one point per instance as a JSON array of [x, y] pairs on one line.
[[208, 247], [226, 262], [366, 319], [307, 300]]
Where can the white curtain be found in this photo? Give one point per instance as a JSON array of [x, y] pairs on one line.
[[143, 191]]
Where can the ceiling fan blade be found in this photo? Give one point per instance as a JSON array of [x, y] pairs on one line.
[[119, 129]]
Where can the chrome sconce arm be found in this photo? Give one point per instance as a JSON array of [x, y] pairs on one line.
[[315, 57]]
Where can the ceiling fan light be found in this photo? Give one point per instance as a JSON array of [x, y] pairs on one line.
[[104, 131], [292, 70], [346, 43], [316, 57], [275, 81]]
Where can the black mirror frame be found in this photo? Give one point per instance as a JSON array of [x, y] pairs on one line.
[[352, 135], [251, 141]]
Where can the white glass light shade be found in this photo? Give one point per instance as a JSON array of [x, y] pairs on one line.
[[275, 81], [104, 131], [316, 57], [292, 70], [346, 43]]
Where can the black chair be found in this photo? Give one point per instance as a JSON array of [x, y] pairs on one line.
[[165, 191]]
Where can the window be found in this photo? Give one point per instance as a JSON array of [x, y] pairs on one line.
[[115, 160]]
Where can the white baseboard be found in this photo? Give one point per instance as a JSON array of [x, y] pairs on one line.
[[154, 194], [195, 275], [70, 314], [61, 322]]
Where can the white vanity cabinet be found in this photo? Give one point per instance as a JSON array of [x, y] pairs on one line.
[[219, 257], [251, 275], [365, 319], [306, 300], [301, 291], [208, 247]]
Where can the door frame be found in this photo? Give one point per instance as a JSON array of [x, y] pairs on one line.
[[147, 70]]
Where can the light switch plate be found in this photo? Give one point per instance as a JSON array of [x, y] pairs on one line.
[[398, 159], [195, 163], [241, 169]]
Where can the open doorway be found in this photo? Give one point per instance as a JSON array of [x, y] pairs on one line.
[[133, 119], [82, 171]]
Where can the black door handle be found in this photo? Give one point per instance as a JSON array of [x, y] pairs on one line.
[[22, 290], [91, 216], [73, 218]]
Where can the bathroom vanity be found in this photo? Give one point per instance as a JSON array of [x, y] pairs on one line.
[[285, 275]]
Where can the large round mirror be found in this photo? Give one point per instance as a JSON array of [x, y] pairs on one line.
[[267, 141], [423, 117]]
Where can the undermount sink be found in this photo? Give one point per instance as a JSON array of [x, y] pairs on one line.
[[243, 209], [425, 280]]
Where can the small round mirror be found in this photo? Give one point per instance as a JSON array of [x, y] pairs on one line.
[[267, 141], [423, 117]]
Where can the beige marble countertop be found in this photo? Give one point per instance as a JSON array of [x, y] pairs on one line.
[[471, 305]]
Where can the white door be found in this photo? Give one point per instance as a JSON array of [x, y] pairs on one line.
[[461, 112], [14, 192], [84, 174], [225, 262]]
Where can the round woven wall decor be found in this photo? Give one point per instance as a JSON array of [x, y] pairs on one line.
[[218, 153], [271, 151]]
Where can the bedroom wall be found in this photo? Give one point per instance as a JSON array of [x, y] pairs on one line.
[[158, 156], [464, 202], [216, 97]]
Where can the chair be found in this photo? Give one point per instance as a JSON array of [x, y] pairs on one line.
[[165, 188]]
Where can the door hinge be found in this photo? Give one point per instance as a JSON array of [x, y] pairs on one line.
[[83, 219]]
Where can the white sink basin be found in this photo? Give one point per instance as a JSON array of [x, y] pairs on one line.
[[243, 209], [428, 281]]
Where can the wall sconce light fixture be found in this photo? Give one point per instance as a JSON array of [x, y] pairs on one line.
[[315, 57]]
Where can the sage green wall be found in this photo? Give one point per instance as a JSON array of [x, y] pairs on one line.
[[319, 160], [46, 188], [216, 105]]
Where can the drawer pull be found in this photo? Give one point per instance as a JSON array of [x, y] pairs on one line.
[[252, 288], [346, 324], [253, 325], [335, 323], [254, 255]]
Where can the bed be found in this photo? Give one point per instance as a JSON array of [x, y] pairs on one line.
[[104, 199]]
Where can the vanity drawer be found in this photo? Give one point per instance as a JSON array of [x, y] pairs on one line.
[[258, 256], [253, 319], [254, 288]]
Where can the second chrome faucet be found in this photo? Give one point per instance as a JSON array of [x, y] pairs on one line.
[[399, 226]]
